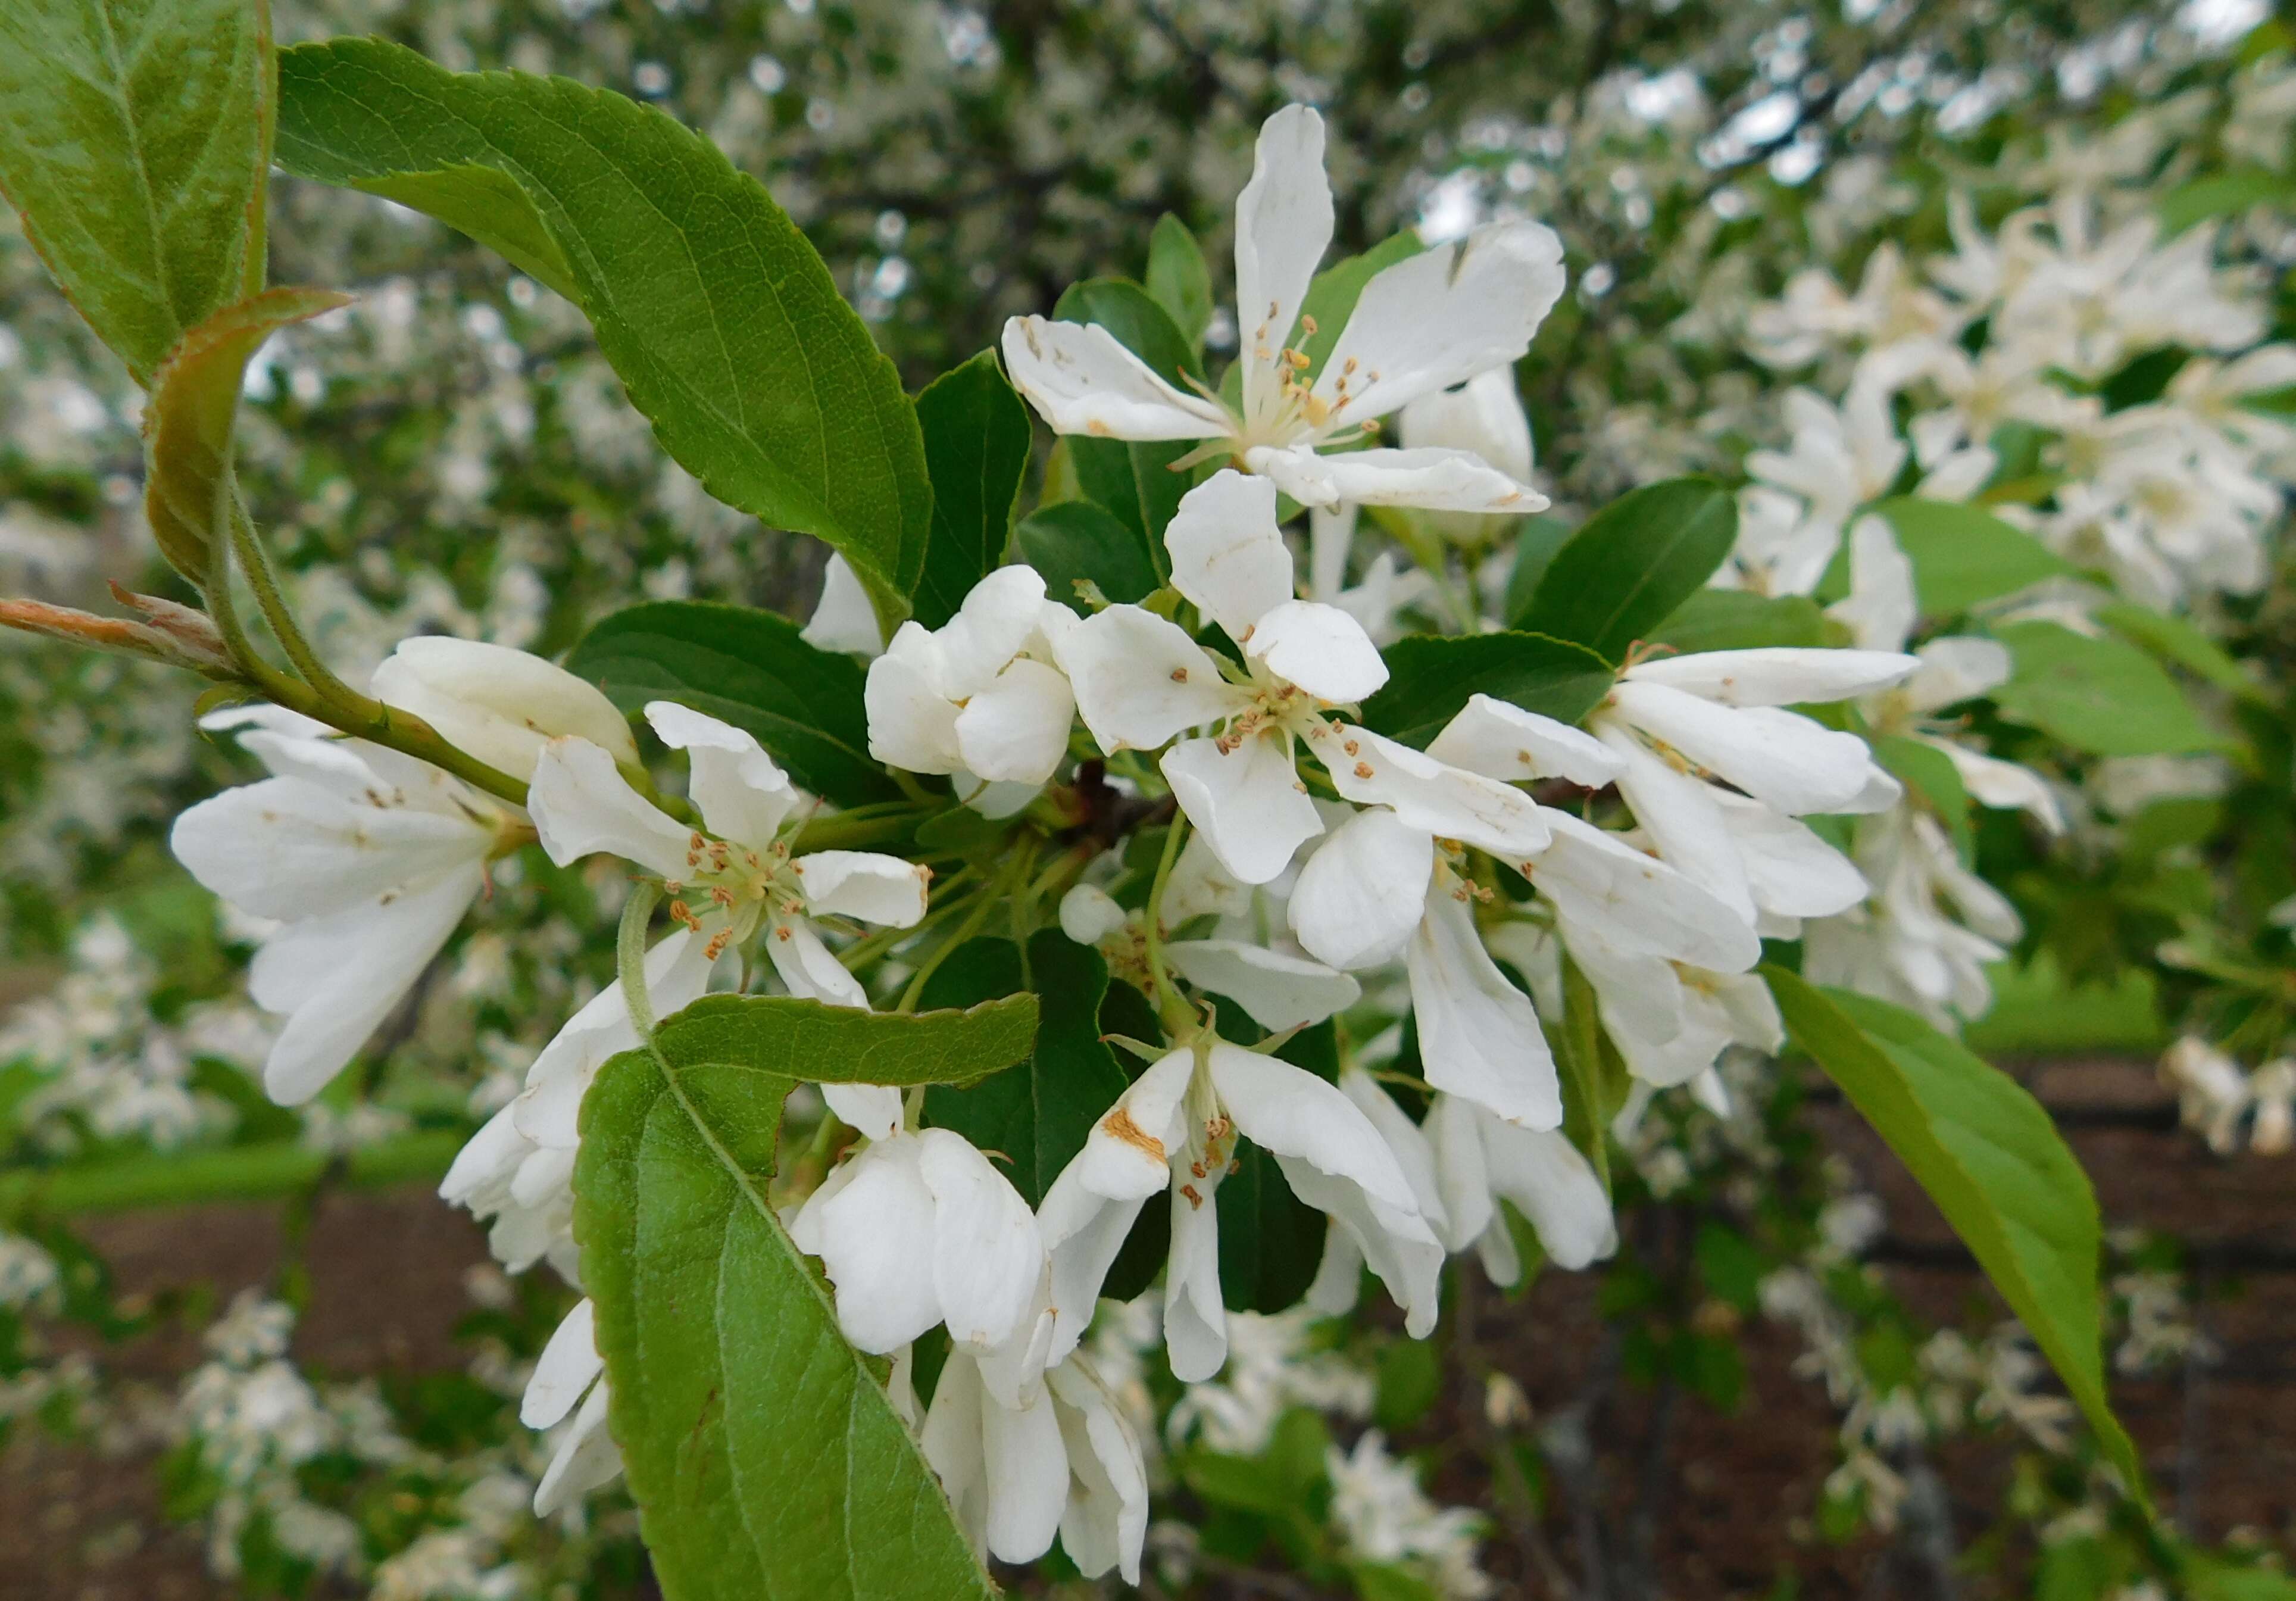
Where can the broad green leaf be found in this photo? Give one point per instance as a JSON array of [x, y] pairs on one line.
[[846, 1045], [976, 434], [1036, 1113], [1739, 620], [763, 1453], [1625, 572], [2175, 639], [1134, 480], [2100, 695], [1432, 676], [721, 321], [1078, 539], [1178, 280], [749, 669], [188, 425], [1963, 555], [1929, 776], [135, 140], [2222, 193], [1986, 1154], [1534, 548], [1331, 296]]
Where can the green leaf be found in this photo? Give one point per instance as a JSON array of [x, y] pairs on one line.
[[1928, 774], [1331, 296], [762, 1451], [1134, 480], [1410, 1383], [1036, 1113], [1534, 548], [1986, 1154], [1432, 676], [2100, 695], [1385, 1581], [977, 435], [1739, 620], [1964, 555], [2175, 639], [721, 321], [1595, 1079], [1635, 562], [135, 140], [2218, 194], [1077, 540], [749, 669], [188, 425], [845, 1044], [1178, 280]]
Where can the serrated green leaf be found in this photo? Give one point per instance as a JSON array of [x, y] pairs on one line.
[[1633, 563], [135, 140], [2101, 695], [720, 319], [1432, 676], [1036, 1113], [1133, 480], [749, 669], [977, 435], [1739, 620], [1078, 539], [1988, 1156], [1964, 555], [1179, 280], [762, 1451], [845, 1044], [188, 425], [2175, 639]]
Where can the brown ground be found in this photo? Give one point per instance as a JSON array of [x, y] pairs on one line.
[[1724, 1506]]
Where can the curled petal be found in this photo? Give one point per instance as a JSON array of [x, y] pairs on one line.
[[1082, 380]]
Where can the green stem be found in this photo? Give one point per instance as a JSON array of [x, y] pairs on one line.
[[862, 952], [260, 1172], [844, 831], [629, 954], [255, 561], [1176, 1013], [982, 905]]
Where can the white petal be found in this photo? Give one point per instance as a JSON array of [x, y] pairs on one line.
[[807, 966], [912, 723], [1405, 1137], [1088, 916], [1398, 1246], [1775, 675], [564, 1370], [484, 1162], [1595, 878], [868, 884], [1016, 731], [586, 1458], [1082, 380], [1483, 416], [1338, 1283], [339, 975], [1293, 1113], [1279, 991], [1555, 1187], [1139, 679], [496, 704], [873, 1109], [955, 1444], [741, 792], [1282, 227], [1126, 1155], [1789, 871], [996, 621], [1027, 1471], [582, 804], [1478, 1035], [1779, 758], [873, 1233], [1992, 782], [1444, 316], [548, 1110], [1956, 669], [1448, 802], [1461, 1178], [1249, 802], [843, 621], [1684, 819], [1330, 536], [1363, 891], [1880, 609], [1440, 480], [1505, 742], [987, 1258], [1106, 1521], [284, 849], [1322, 649], [1200, 886], [1228, 556], [1195, 1320]]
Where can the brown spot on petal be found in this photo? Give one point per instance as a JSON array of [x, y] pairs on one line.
[[1118, 1125], [1363, 770], [1179, 675]]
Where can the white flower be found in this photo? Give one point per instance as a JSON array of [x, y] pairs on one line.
[[1384, 1516], [1929, 932], [1669, 1019], [1176, 1126], [980, 695], [1673, 720], [1408, 1262], [496, 704], [1140, 679], [745, 878], [366, 859], [843, 621], [919, 1230], [1483, 417], [1421, 324], [570, 1371], [1066, 1461], [1481, 1161]]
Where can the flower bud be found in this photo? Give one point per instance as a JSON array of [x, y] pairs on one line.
[[498, 704], [1483, 416]]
